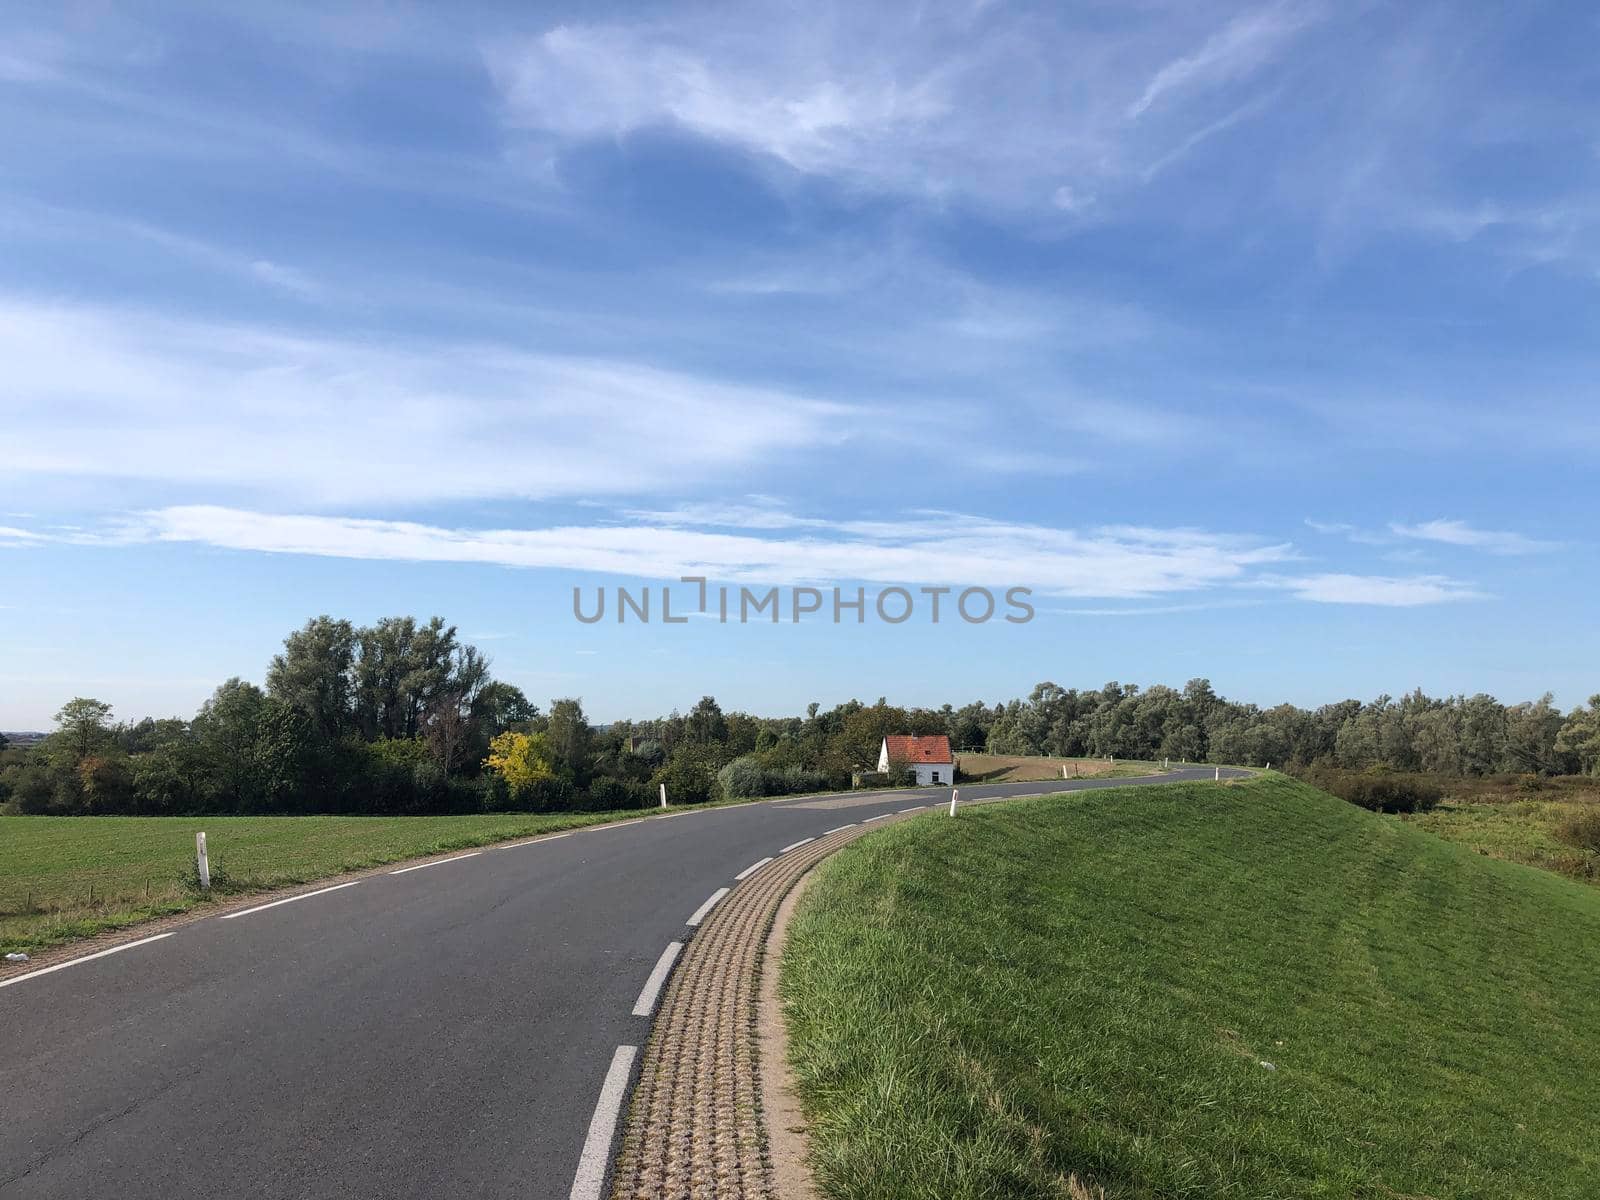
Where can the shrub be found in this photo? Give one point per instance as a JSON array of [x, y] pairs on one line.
[[786, 781], [894, 777], [548, 794], [1582, 829], [651, 753], [690, 776], [607, 793], [493, 793], [745, 777], [1378, 791], [31, 791], [397, 775]]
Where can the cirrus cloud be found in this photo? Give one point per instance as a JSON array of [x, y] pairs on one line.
[[759, 543]]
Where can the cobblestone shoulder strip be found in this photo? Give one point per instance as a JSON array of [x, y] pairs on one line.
[[695, 1127]]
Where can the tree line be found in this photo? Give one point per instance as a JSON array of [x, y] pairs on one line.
[[404, 717]]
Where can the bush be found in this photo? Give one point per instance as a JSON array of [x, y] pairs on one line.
[[894, 777], [1582, 829], [550, 794], [396, 775], [606, 793], [690, 776], [745, 777], [1378, 791], [787, 781]]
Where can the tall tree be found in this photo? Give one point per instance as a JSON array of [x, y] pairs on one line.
[[500, 706], [1580, 736], [705, 723], [569, 736], [315, 674], [227, 729], [400, 671], [82, 726]]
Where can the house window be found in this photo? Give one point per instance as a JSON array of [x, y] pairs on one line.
[[936, 777]]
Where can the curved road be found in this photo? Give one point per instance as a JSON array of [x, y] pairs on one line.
[[438, 1032]]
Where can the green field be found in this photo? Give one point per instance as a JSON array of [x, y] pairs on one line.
[[1084, 991], [69, 877]]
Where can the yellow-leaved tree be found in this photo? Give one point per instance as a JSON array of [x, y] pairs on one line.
[[521, 759]]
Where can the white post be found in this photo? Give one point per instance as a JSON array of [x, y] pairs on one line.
[[1063, 770], [1219, 774], [663, 795], [954, 792], [201, 861], [1269, 764]]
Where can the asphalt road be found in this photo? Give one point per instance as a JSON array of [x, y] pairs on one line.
[[442, 1032]]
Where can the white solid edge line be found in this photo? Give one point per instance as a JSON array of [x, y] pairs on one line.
[[646, 1003], [797, 845], [914, 808], [836, 829], [4, 983], [700, 913], [289, 900], [879, 817], [753, 868], [591, 1176], [437, 863], [533, 841]]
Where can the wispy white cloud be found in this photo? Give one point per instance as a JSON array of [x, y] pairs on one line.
[[1382, 591], [287, 278], [1459, 533], [588, 81], [1022, 108], [112, 234], [11, 535], [1441, 532], [109, 394], [1243, 45], [924, 548], [929, 548], [1148, 610]]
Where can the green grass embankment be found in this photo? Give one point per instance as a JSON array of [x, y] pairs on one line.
[[1085, 991]]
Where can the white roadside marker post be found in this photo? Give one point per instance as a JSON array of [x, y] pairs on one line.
[[1063, 770], [954, 792], [1219, 774], [202, 863], [663, 795]]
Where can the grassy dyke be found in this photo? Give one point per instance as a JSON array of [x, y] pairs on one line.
[[1081, 992], [70, 877]]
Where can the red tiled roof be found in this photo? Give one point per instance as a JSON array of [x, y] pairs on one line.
[[907, 749]]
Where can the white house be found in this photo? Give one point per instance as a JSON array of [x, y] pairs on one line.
[[929, 757]]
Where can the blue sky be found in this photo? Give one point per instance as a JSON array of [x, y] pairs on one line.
[[1259, 340]]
